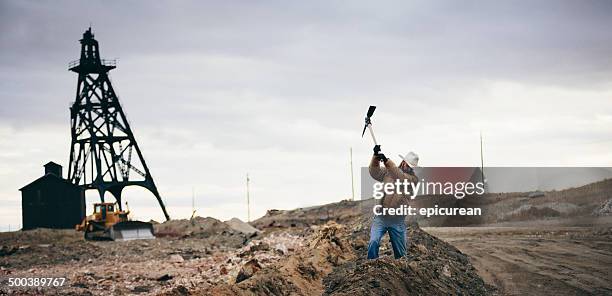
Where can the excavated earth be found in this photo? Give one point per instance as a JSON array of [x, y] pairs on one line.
[[333, 263], [558, 244], [432, 267], [205, 256]]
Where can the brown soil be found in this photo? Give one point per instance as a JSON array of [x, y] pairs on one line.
[[302, 273], [210, 254], [538, 260], [558, 244], [280, 261], [432, 267]]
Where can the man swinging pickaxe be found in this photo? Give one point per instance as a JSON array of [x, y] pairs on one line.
[[389, 173]]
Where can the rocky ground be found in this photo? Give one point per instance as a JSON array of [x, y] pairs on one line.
[[187, 255], [321, 251], [205, 256]]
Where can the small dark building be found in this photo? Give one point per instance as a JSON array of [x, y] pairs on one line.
[[51, 201]]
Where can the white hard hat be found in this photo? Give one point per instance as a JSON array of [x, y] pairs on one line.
[[411, 158]]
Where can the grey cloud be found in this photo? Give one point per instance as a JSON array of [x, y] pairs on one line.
[[289, 81]]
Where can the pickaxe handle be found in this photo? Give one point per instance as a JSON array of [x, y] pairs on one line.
[[372, 134]]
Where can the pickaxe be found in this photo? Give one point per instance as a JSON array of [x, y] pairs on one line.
[[368, 124]]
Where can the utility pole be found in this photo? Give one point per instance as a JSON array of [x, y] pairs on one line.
[[193, 210], [481, 161], [248, 199], [352, 178]]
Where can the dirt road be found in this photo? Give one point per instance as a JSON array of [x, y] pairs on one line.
[[542, 260]]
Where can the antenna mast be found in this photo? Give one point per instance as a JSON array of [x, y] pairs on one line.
[[193, 210], [352, 178], [248, 198], [481, 161]]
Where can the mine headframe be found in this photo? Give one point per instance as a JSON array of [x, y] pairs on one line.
[[104, 154]]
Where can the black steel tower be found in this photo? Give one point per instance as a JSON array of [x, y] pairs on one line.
[[103, 144]]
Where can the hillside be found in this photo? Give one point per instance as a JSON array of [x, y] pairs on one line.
[[579, 206]]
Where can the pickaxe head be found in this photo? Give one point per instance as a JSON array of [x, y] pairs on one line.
[[368, 115]]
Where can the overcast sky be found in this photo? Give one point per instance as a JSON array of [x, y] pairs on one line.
[[279, 89]]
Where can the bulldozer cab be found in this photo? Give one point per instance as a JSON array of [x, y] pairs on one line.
[[102, 209]]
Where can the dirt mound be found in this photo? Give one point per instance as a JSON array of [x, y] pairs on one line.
[[214, 231], [432, 267], [25, 249], [340, 212], [334, 263], [299, 274]]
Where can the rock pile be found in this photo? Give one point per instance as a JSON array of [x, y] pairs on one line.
[[604, 209], [333, 263], [216, 232], [432, 267], [301, 273], [243, 227]]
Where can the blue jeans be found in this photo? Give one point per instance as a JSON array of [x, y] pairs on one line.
[[396, 226]]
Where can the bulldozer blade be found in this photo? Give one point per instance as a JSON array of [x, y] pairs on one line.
[[131, 230]]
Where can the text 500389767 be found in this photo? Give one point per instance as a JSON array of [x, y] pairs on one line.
[[36, 281]]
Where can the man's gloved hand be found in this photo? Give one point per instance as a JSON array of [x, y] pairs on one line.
[[381, 157], [376, 149], [368, 121]]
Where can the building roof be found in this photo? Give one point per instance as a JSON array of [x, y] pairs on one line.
[[52, 163], [47, 176]]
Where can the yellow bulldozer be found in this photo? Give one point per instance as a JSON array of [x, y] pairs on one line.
[[108, 222]]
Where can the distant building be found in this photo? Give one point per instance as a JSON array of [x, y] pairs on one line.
[[51, 201]]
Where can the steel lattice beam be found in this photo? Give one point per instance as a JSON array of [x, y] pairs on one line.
[[101, 135]]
